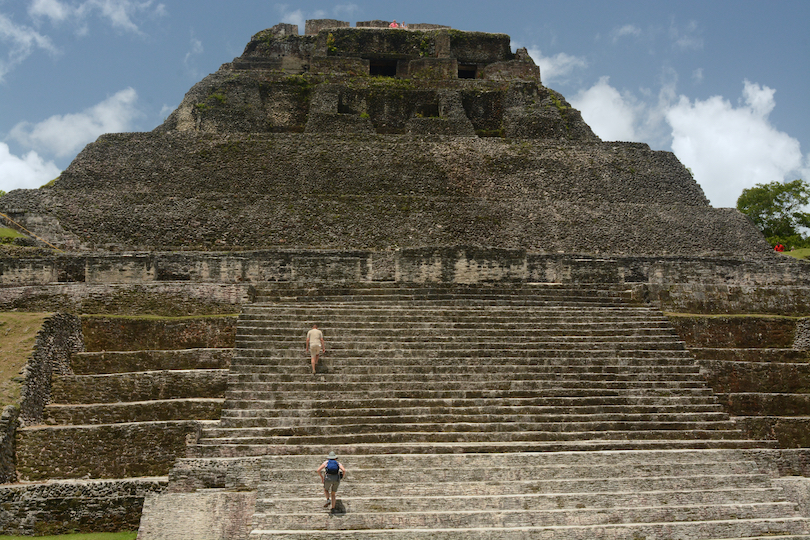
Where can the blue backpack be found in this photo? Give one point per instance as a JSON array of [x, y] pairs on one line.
[[332, 467]]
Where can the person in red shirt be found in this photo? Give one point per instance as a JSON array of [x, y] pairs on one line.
[[393, 24], [779, 247]]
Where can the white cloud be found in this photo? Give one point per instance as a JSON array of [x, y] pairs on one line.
[[63, 135], [610, 115], [29, 171], [119, 13], [732, 148], [22, 42], [697, 76], [557, 67], [686, 39], [196, 49], [291, 17], [626, 30]]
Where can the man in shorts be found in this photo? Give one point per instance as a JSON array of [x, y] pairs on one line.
[[331, 480], [315, 345]]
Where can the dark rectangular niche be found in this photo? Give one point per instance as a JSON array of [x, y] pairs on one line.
[[382, 68], [467, 72]]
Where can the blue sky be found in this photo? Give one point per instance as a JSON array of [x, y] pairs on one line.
[[722, 83]]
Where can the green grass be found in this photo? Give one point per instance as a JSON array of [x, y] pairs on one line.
[[89, 536], [801, 253], [5, 232]]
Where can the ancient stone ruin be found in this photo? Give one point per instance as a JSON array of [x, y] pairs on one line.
[[531, 333]]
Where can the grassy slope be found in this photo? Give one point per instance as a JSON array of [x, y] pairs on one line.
[[90, 536], [17, 334]]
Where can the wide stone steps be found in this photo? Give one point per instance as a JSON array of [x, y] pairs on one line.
[[485, 412], [598, 354], [361, 368], [448, 416], [715, 494], [316, 428]]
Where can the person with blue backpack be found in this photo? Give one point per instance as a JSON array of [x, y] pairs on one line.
[[331, 472]]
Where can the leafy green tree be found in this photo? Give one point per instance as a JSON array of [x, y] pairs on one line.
[[777, 210]]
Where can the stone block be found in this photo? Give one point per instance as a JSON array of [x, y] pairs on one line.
[[433, 68], [197, 516], [102, 451], [314, 26], [511, 70], [355, 67]]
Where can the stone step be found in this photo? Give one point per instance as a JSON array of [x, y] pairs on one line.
[[224, 450], [536, 501], [350, 377], [245, 413], [483, 321], [325, 416], [441, 301], [358, 368], [138, 411], [626, 402], [536, 355], [471, 308], [565, 427], [407, 334], [278, 479], [372, 461], [431, 435], [477, 518], [493, 346], [751, 529]]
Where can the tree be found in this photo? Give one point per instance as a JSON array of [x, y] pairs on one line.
[[776, 210]]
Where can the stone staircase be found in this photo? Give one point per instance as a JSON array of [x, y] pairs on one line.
[[510, 411]]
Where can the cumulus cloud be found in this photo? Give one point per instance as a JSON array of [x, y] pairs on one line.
[[22, 41], [29, 171], [728, 147], [731, 148], [64, 135], [611, 115], [119, 13], [556, 68]]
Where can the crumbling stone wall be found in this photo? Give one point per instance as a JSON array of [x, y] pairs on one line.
[[59, 337], [68, 507], [8, 428]]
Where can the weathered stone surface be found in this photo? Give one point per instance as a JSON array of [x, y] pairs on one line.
[[184, 516], [770, 377], [59, 337], [8, 428], [447, 194], [722, 332], [131, 334], [119, 450], [75, 506], [142, 386], [89, 363]]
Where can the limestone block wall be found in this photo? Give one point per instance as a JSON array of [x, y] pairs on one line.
[[105, 334], [78, 506], [127, 450]]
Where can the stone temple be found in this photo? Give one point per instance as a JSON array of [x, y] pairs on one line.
[[531, 332]]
